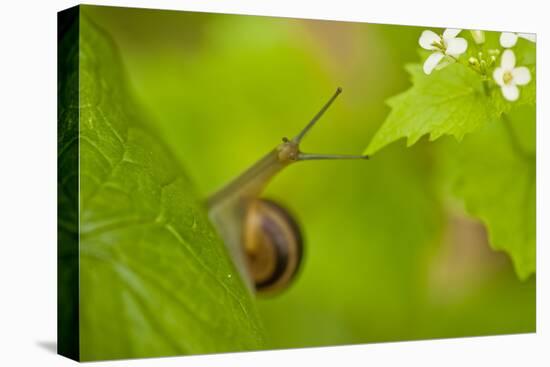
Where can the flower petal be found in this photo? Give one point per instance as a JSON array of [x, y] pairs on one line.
[[456, 46], [521, 75], [510, 92], [508, 39], [498, 76], [432, 61], [451, 33], [427, 38], [508, 60], [528, 36]]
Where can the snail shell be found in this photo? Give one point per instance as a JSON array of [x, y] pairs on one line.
[[273, 245]]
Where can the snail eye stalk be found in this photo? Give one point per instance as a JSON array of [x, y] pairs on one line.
[[311, 156], [298, 138]]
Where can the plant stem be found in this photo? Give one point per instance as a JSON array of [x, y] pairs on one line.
[[486, 87]]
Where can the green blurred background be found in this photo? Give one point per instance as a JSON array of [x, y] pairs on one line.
[[390, 254]]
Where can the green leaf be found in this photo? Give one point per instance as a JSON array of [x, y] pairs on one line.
[[497, 182], [155, 279], [449, 101], [453, 102], [67, 184]]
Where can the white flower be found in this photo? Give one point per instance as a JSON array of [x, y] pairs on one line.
[[508, 39], [508, 77], [445, 45]]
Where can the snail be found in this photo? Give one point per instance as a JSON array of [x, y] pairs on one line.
[[262, 236]]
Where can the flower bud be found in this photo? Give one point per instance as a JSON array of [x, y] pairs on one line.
[[483, 66], [478, 36]]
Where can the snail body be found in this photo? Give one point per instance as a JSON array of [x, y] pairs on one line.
[[263, 238]]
